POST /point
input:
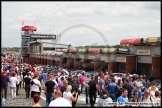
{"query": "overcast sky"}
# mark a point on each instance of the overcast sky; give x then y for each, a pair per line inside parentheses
(115, 20)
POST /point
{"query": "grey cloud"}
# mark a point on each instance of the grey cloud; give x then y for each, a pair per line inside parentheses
(112, 18)
(153, 6)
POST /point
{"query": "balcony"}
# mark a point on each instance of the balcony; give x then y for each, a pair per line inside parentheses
(25, 34)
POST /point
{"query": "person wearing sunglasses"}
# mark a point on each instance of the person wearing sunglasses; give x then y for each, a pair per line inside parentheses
(147, 98)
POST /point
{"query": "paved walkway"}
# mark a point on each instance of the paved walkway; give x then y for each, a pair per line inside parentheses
(20, 98)
(28, 102)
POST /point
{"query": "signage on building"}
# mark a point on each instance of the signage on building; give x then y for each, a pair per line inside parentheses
(143, 52)
(122, 49)
(121, 59)
(64, 50)
(43, 36)
(72, 56)
(111, 50)
(73, 50)
(105, 50)
(56, 58)
(104, 58)
(58, 50)
(94, 50)
(91, 57)
(82, 50)
(81, 56)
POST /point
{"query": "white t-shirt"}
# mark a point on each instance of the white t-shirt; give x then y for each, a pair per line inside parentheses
(26, 76)
(55, 82)
(35, 86)
(67, 96)
(59, 79)
(18, 78)
(16, 68)
(13, 81)
(155, 89)
(152, 93)
(58, 102)
(117, 78)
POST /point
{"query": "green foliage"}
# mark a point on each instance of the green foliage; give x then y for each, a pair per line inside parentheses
(103, 46)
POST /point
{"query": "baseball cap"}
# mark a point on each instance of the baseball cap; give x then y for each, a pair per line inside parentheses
(14, 73)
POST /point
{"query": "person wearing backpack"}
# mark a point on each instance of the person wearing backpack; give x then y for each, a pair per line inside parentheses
(147, 98)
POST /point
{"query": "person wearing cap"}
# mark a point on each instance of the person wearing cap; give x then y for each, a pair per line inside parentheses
(4, 84)
(13, 82)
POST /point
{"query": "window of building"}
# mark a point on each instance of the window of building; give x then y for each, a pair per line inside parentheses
(48, 48)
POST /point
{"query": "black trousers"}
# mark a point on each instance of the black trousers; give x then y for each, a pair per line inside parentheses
(74, 103)
(20, 84)
(17, 88)
(92, 97)
(27, 91)
(4, 91)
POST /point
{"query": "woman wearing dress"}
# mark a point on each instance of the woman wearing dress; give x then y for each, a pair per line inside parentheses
(68, 95)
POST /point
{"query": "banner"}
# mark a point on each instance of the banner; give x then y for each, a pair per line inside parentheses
(143, 52)
(121, 59)
(43, 36)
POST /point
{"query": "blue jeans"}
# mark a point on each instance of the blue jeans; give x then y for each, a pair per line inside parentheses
(100, 92)
(113, 96)
(49, 98)
(82, 88)
(87, 96)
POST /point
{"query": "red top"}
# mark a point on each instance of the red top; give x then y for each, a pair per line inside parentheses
(13, 67)
(32, 69)
(131, 41)
(58, 50)
(29, 28)
(73, 50)
(94, 50)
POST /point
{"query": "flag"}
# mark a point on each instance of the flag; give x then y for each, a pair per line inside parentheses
(22, 23)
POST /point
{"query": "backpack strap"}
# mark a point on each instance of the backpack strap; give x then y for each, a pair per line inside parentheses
(142, 98)
(150, 99)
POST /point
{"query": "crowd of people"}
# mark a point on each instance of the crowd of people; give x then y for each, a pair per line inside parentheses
(63, 89)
